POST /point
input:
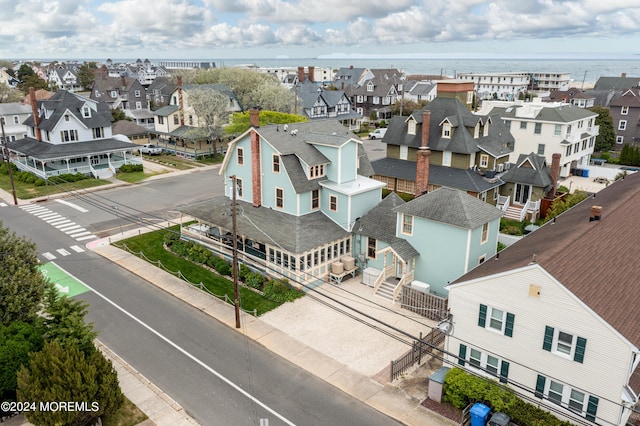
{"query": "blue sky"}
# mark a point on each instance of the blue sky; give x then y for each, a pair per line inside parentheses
(218, 29)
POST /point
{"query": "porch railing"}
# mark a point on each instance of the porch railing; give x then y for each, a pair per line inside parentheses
(408, 277)
(503, 202)
(383, 276)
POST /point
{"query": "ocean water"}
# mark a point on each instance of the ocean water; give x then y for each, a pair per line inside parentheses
(581, 70)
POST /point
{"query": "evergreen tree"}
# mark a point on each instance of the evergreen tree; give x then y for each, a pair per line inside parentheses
(86, 74)
(67, 374)
(21, 282)
(606, 138)
(63, 320)
(17, 340)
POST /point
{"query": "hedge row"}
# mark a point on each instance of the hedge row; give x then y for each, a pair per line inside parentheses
(462, 389)
(278, 291)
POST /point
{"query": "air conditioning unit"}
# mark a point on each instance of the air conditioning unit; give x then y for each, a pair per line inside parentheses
(500, 167)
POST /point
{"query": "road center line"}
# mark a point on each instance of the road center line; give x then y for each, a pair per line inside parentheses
(183, 351)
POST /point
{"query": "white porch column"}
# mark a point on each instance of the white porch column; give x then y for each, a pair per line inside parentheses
(68, 168)
(44, 170)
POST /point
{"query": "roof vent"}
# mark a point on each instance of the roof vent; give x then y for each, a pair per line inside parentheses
(596, 213)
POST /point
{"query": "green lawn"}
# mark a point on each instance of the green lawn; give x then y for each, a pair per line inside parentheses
(25, 191)
(151, 244)
(134, 177)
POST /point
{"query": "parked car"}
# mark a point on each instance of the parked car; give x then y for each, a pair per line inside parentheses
(377, 134)
(150, 149)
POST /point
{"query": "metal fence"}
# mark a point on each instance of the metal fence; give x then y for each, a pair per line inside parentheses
(419, 349)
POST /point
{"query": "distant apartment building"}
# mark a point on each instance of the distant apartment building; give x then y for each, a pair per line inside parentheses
(549, 81)
(186, 65)
(503, 86)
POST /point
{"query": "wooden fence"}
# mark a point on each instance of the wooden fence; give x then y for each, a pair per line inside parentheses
(419, 349)
(425, 304)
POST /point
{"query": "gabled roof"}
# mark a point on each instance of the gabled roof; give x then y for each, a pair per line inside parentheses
(14, 108)
(630, 98)
(301, 183)
(543, 112)
(126, 127)
(63, 102)
(380, 223)
(451, 207)
(529, 169)
(595, 260)
(462, 141)
(463, 179)
(616, 83)
(166, 110)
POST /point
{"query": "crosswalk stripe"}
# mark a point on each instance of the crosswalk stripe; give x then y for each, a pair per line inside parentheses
(57, 221)
(77, 249)
(52, 218)
(45, 212)
(48, 256)
(3, 204)
(32, 208)
(62, 224)
(63, 252)
(86, 238)
(79, 234)
(69, 227)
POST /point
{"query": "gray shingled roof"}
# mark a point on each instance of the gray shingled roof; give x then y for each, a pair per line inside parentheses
(47, 151)
(126, 127)
(560, 114)
(166, 110)
(11, 108)
(62, 102)
(463, 179)
(462, 140)
(616, 83)
(380, 223)
(452, 207)
(301, 183)
(529, 169)
(295, 234)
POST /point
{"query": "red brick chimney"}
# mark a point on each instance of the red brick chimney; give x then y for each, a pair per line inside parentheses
(123, 82)
(311, 73)
(34, 112)
(180, 105)
(300, 74)
(256, 175)
(422, 171)
(555, 173)
(426, 127)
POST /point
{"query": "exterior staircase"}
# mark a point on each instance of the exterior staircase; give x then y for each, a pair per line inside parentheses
(104, 173)
(513, 212)
(387, 288)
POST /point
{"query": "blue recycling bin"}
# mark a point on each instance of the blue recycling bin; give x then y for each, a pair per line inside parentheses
(479, 414)
(585, 172)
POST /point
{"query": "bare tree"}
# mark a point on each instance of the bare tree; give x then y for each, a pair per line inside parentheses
(211, 109)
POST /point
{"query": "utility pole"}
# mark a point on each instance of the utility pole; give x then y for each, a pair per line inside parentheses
(235, 255)
(5, 152)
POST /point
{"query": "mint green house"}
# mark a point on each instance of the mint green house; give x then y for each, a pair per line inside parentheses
(300, 188)
(425, 243)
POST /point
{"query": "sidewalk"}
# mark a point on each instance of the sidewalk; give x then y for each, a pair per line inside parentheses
(386, 398)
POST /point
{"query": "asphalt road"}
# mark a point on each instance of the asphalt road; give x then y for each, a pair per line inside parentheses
(219, 377)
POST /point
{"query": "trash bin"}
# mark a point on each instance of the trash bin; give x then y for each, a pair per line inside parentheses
(499, 419)
(585, 172)
(479, 413)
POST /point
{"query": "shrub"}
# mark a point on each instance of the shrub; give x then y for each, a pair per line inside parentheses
(243, 272)
(461, 389)
(279, 291)
(255, 280)
(131, 168)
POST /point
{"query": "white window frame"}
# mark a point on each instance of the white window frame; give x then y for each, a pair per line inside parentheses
(624, 110)
(446, 158)
(485, 232)
(491, 318)
(566, 395)
(406, 226)
(622, 125)
(240, 156)
(411, 127)
(557, 131)
(619, 139)
(16, 119)
(484, 160)
(404, 152)
(446, 130)
(557, 344)
(333, 203)
(281, 198)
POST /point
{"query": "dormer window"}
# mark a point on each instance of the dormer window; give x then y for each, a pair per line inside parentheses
(86, 112)
(370, 87)
(446, 130)
(411, 128)
(485, 128)
(316, 171)
(66, 117)
(114, 93)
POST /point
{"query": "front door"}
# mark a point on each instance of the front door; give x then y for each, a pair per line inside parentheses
(523, 192)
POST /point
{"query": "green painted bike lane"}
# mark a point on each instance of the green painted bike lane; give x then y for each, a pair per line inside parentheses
(65, 283)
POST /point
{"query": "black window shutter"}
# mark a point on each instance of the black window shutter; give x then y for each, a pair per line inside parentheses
(508, 329)
(462, 354)
(482, 317)
(581, 344)
(540, 386)
(548, 338)
(504, 371)
(592, 408)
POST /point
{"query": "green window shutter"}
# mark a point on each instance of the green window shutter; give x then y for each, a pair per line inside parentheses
(482, 317)
(592, 408)
(462, 354)
(540, 386)
(548, 338)
(581, 344)
(504, 371)
(508, 328)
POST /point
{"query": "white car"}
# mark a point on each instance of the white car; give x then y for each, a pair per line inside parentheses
(377, 134)
(150, 149)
